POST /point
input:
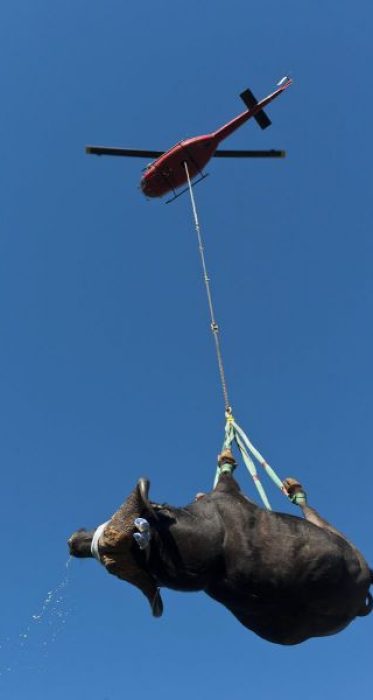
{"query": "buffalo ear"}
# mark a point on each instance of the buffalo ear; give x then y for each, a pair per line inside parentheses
(157, 604)
(143, 486)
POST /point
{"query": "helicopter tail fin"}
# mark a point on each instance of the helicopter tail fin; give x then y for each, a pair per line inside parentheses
(250, 102)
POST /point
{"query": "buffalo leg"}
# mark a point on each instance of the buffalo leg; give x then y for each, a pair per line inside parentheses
(298, 496)
(226, 481)
(226, 462)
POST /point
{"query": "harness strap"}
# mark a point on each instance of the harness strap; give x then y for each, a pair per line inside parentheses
(250, 455)
(256, 454)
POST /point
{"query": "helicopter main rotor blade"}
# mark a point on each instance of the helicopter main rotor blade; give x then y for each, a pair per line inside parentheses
(250, 154)
(129, 152)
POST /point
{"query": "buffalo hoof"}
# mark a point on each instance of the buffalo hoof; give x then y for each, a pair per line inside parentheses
(368, 606)
(295, 491)
(226, 457)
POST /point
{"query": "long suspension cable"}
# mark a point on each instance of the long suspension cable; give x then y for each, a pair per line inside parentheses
(233, 432)
(214, 325)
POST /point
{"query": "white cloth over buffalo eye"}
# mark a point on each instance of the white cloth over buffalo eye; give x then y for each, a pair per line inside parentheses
(142, 537)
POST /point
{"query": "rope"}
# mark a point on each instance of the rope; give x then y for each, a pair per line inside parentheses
(214, 326)
(233, 432)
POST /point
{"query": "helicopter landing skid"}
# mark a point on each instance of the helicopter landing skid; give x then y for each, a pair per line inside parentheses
(203, 176)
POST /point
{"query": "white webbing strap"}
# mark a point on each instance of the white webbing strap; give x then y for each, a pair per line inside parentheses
(96, 541)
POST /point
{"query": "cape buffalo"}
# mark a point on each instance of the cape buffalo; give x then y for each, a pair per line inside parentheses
(284, 577)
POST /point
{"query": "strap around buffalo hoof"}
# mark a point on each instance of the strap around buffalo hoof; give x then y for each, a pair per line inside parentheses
(226, 457)
(226, 462)
(295, 492)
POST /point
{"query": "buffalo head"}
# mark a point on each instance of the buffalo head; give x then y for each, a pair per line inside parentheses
(116, 548)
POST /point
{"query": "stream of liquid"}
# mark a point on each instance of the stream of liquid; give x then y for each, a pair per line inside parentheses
(42, 630)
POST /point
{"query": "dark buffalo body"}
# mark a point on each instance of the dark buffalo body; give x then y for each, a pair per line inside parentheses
(285, 578)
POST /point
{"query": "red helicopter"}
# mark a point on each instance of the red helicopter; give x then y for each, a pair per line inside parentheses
(168, 172)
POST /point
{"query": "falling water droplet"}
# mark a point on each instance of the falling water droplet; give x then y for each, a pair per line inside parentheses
(43, 630)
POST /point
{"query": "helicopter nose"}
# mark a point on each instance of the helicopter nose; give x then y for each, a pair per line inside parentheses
(146, 187)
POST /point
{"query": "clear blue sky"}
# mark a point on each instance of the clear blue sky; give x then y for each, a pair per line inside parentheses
(106, 360)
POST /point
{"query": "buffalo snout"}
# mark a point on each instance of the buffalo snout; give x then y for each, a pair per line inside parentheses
(80, 543)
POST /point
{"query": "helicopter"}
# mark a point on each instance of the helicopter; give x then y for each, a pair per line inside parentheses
(168, 172)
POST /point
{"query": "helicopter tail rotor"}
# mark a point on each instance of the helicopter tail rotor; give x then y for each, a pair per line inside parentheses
(250, 102)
